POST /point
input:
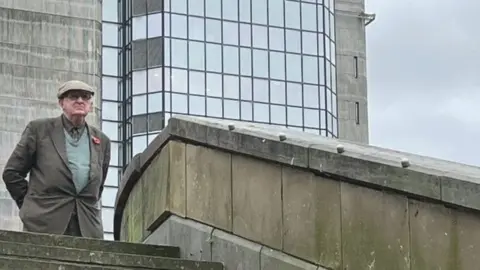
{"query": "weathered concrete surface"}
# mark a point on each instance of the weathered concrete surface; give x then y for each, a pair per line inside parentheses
(25, 250)
(198, 241)
(42, 44)
(350, 42)
(48, 240)
(353, 209)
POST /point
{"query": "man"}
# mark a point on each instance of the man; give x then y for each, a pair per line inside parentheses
(67, 160)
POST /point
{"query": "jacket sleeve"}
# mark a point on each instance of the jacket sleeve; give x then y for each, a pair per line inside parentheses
(106, 163)
(19, 165)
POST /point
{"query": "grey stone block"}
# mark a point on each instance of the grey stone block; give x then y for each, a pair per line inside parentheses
(359, 169)
(161, 235)
(275, 260)
(193, 238)
(48, 240)
(461, 192)
(235, 252)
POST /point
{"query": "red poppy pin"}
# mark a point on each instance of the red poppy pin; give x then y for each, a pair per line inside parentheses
(96, 140)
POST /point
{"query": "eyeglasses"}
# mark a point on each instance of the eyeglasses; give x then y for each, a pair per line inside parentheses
(75, 95)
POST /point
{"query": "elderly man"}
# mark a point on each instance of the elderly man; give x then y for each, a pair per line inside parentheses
(67, 160)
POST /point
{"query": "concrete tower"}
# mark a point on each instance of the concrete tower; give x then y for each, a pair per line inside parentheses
(42, 44)
(351, 21)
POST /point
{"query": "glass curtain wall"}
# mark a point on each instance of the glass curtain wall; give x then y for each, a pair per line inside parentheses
(111, 104)
(266, 61)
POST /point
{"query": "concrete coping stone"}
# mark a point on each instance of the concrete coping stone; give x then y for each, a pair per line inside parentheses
(420, 176)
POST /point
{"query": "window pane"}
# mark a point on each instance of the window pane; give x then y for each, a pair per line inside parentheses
(309, 43)
(214, 30)
(246, 88)
(259, 11)
(178, 25)
(292, 38)
(311, 118)
(294, 94)
(232, 109)
(110, 61)
(245, 61)
(179, 80)
(139, 82)
(196, 28)
(179, 103)
(214, 107)
(277, 65)
(155, 102)
(197, 83)
(294, 116)
(196, 56)
(275, 7)
(230, 59)
(109, 34)
(246, 111)
(309, 17)
(139, 104)
(310, 69)
(195, 7)
(179, 53)
(109, 88)
(260, 63)
(154, 79)
(230, 33)
(294, 67)
(260, 36)
(155, 25)
(244, 7)
(214, 85)
(230, 87)
(110, 129)
(112, 177)
(197, 105)
(110, 110)
(230, 10)
(108, 196)
(277, 39)
(110, 10)
(107, 218)
(310, 96)
(261, 112)
(245, 35)
(139, 143)
(139, 27)
(278, 114)
(213, 8)
(178, 6)
(214, 57)
(260, 90)
(277, 92)
(292, 14)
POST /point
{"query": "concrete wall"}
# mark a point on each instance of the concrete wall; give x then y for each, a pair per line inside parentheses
(42, 44)
(350, 43)
(301, 196)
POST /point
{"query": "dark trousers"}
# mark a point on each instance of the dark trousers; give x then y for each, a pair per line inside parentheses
(73, 227)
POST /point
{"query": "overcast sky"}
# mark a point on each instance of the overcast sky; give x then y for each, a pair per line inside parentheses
(424, 77)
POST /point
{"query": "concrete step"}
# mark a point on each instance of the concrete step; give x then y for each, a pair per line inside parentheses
(107, 259)
(88, 243)
(9, 263)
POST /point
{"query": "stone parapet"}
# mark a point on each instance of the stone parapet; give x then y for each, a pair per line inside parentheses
(332, 203)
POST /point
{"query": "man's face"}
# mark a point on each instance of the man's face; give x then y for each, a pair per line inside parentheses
(76, 102)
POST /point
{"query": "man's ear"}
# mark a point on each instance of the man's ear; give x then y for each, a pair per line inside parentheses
(60, 103)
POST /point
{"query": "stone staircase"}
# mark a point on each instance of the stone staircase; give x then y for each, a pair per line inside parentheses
(21, 250)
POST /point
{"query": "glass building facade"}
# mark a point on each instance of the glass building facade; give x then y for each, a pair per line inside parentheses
(266, 61)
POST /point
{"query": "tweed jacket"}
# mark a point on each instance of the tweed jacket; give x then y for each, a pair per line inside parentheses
(49, 197)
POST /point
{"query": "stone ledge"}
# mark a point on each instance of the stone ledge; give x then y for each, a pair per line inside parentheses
(448, 182)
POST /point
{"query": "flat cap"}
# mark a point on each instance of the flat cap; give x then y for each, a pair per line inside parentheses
(74, 85)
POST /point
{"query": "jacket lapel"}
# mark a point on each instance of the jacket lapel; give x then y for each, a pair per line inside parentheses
(95, 147)
(58, 138)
